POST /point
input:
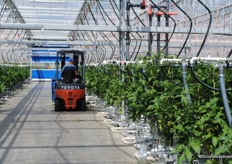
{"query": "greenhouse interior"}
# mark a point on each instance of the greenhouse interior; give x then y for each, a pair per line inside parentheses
(156, 73)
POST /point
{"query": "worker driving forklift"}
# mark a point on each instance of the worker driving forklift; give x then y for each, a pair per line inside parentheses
(69, 88)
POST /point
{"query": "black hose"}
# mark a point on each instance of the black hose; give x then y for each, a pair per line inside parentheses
(169, 79)
(138, 17)
(140, 44)
(138, 35)
(95, 21)
(161, 67)
(114, 10)
(105, 13)
(128, 72)
(136, 44)
(190, 28)
(107, 17)
(116, 5)
(143, 73)
(230, 53)
(120, 70)
(101, 33)
(204, 84)
(207, 32)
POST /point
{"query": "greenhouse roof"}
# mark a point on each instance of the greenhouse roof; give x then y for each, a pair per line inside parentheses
(99, 26)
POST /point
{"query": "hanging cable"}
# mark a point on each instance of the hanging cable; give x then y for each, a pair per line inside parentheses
(114, 10)
(174, 28)
(140, 44)
(190, 28)
(105, 12)
(105, 36)
(209, 25)
(164, 73)
(112, 47)
(204, 84)
(99, 4)
(136, 44)
(94, 22)
(116, 5)
(230, 53)
(138, 17)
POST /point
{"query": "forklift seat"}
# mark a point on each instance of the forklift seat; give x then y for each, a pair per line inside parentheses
(68, 76)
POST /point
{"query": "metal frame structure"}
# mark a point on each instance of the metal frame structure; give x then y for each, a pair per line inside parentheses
(109, 30)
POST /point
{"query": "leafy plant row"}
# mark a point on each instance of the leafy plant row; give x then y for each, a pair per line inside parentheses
(10, 76)
(194, 119)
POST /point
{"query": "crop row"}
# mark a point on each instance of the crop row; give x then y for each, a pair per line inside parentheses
(12, 76)
(185, 112)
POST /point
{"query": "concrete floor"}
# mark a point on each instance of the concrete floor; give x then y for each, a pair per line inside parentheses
(31, 132)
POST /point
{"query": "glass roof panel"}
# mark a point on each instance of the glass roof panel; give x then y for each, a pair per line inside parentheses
(49, 12)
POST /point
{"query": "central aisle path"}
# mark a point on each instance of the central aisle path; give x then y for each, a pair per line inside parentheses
(31, 132)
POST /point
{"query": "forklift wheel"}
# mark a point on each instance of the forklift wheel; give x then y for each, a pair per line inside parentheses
(83, 105)
(58, 106)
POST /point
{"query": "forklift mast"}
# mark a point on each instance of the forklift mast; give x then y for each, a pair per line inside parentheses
(78, 57)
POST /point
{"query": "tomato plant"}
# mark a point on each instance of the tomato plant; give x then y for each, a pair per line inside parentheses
(10, 76)
(198, 124)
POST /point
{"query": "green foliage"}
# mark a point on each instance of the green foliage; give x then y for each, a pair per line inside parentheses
(199, 126)
(12, 75)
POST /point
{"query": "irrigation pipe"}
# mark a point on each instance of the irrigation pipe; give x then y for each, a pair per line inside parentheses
(224, 95)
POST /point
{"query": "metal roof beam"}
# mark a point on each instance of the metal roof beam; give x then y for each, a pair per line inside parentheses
(103, 43)
(227, 31)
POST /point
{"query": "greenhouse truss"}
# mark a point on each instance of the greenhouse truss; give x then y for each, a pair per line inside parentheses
(164, 65)
(97, 28)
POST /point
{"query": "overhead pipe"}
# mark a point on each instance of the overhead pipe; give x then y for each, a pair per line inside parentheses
(121, 62)
(210, 59)
(169, 60)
